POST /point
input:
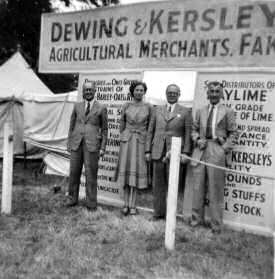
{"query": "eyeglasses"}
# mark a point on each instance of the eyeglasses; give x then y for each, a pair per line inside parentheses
(172, 93)
(214, 91)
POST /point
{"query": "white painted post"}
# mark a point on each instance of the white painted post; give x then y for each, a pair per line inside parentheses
(172, 193)
(7, 167)
(273, 255)
(273, 225)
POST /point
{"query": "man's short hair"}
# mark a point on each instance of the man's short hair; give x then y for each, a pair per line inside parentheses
(173, 84)
(88, 84)
(214, 84)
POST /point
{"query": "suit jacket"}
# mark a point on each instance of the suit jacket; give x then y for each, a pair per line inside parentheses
(225, 128)
(93, 128)
(163, 127)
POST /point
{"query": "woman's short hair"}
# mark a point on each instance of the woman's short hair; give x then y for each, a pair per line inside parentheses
(136, 83)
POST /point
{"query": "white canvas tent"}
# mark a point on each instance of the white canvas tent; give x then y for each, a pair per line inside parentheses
(17, 78)
(47, 119)
(46, 125)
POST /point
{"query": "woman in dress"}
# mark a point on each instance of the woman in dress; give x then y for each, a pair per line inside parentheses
(132, 167)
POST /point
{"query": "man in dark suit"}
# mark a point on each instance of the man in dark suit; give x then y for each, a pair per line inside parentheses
(170, 120)
(86, 142)
(213, 133)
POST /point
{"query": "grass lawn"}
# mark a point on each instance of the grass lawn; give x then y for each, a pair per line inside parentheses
(43, 239)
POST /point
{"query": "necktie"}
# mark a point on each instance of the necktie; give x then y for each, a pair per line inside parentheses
(168, 111)
(209, 124)
(87, 109)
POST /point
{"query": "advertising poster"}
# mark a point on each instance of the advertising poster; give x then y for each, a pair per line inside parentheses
(112, 90)
(166, 34)
(248, 199)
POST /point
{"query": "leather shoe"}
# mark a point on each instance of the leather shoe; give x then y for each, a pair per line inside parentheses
(157, 218)
(125, 210)
(133, 211)
(71, 203)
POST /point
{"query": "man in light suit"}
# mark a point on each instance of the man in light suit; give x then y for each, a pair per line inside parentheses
(170, 120)
(213, 133)
(86, 142)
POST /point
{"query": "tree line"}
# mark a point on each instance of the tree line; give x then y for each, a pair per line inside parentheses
(20, 29)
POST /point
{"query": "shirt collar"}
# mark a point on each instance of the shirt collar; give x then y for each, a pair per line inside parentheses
(215, 106)
(91, 103)
(171, 105)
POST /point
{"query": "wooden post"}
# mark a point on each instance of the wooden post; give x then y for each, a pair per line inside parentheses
(25, 154)
(273, 255)
(172, 193)
(7, 167)
(273, 225)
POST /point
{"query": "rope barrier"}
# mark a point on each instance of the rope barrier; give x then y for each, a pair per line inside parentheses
(47, 147)
(227, 169)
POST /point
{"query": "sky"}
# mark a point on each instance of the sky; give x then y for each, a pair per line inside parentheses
(156, 81)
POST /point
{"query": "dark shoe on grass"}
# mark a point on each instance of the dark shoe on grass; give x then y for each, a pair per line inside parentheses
(133, 211)
(125, 210)
(56, 189)
(157, 218)
(71, 204)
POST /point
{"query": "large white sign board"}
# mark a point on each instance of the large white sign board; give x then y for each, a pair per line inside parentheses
(154, 35)
(248, 199)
